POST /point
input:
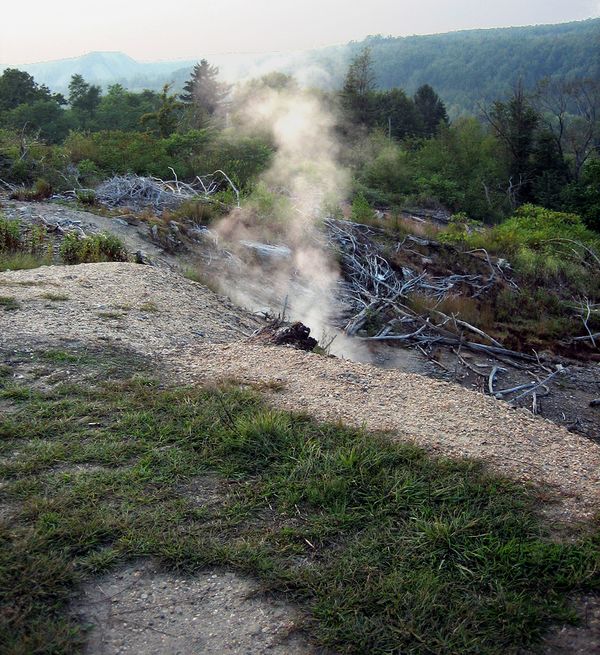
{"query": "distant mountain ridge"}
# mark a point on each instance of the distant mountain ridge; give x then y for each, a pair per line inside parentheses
(464, 67)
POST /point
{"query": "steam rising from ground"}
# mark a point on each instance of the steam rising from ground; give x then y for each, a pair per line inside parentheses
(306, 175)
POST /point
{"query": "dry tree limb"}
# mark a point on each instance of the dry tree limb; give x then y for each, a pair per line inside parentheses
(521, 387)
(493, 373)
(542, 384)
(433, 360)
(466, 364)
(470, 327)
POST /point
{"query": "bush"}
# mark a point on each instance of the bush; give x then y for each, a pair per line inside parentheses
(362, 212)
(10, 235)
(41, 190)
(94, 248)
(199, 212)
(460, 227)
(86, 196)
(22, 248)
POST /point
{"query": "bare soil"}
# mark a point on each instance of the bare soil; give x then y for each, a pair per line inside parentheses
(141, 610)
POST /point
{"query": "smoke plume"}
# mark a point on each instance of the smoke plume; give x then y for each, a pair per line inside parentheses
(303, 179)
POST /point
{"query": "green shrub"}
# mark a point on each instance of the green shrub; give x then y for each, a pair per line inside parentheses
(86, 196)
(199, 212)
(460, 227)
(10, 235)
(41, 190)
(536, 227)
(94, 248)
(362, 212)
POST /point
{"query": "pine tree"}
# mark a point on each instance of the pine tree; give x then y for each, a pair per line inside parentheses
(203, 93)
(430, 109)
(84, 99)
(358, 88)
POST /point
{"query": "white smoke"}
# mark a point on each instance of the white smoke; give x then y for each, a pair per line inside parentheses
(306, 172)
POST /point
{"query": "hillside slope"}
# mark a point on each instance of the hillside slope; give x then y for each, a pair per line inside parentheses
(198, 337)
(468, 66)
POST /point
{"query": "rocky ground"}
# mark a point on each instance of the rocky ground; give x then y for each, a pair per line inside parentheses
(195, 336)
(570, 402)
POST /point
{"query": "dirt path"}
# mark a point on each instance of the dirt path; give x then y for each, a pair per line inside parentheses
(200, 337)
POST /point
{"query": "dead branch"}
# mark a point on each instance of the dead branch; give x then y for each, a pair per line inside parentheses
(493, 373)
(140, 192)
(560, 369)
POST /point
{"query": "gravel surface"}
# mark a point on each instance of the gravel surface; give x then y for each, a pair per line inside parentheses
(140, 307)
(200, 337)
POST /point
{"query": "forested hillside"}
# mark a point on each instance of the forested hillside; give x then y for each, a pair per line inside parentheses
(464, 67)
(469, 66)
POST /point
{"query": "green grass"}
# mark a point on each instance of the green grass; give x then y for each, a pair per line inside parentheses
(55, 297)
(149, 307)
(388, 550)
(22, 261)
(9, 303)
(103, 247)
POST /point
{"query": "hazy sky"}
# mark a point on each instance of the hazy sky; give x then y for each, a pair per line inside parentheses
(39, 30)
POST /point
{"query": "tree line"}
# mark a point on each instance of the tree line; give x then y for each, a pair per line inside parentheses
(538, 146)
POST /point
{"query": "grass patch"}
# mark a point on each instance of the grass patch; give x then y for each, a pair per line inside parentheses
(63, 357)
(55, 297)
(206, 279)
(76, 249)
(150, 307)
(23, 261)
(110, 316)
(9, 303)
(387, 549)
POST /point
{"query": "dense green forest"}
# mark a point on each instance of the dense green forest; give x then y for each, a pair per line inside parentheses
(472, 66)
(535, 145)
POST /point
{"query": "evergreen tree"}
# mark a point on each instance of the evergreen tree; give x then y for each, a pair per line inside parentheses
(430, 110)
(166, 117)
(358, 88)
(515, 124)
(203, 93)
(84, 99)
(395, 113)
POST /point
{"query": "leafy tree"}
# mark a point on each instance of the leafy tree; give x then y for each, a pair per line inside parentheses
(166, 117)
(203, 94)
(18, 88)
(430, 110)
(570, 111)
(43, 117)
(84, 99)
(120, 109)
(583, 196)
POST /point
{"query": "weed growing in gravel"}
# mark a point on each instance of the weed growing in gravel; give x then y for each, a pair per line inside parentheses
(55, 297)
(149, 306)
(387, 549)
(9, 303)
(76, 249)
(22, 249)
